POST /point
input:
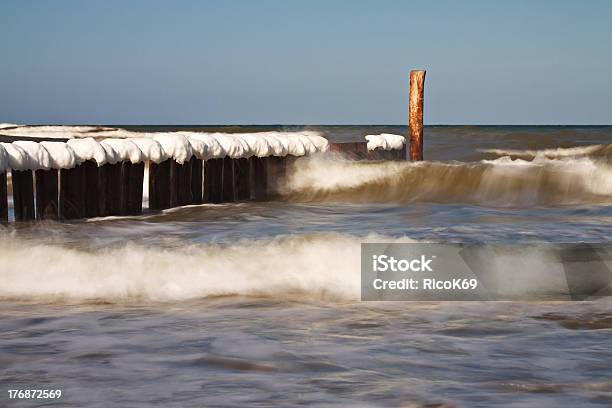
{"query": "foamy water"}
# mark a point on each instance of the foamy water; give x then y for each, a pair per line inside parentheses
(258, 303)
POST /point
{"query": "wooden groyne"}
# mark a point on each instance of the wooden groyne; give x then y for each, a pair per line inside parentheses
(88, 190)
(85, 178)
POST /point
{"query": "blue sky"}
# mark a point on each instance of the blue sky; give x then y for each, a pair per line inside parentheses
(306, 62)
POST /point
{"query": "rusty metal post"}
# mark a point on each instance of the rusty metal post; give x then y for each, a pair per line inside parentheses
(417, 82)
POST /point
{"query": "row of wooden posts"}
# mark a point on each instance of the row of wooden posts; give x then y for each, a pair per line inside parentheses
(87, 190)
(117, 189)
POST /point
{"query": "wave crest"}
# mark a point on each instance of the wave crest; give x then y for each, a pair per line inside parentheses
(599, 150)
(502, 182)
(289, 266)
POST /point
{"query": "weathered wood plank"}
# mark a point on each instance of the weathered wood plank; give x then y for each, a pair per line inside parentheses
(196, 180)
(92, 187)
(276, 171)
(174, 183)
(228, 188)
(213, 180)
(3, 198)
(72, 193)
(47, 194)
(159, 185)
(183, 183)
(110, 189)
(133, 176)
(259, 172)
(23, 194)
(353, 150)
(242, 179)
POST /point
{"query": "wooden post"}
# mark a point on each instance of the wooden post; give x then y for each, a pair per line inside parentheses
(242, 179)
(352, 150)
(110, 189)
(259, 173)
(92, 189)
(394, 155)
(183, 183)
(47, 204)
(72, 193)
(196, 180)
(276, 173)
(173, 185)
(133, 175)
(401, 153)
(228, 188)
(3, 199)
(124, 185)
(159, 185)
(417, 82)
(213, 178)
(23, 194)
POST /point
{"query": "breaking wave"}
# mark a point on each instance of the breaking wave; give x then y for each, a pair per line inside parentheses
(595, 151)
(289, 266)
(504, 182)
(59, 131)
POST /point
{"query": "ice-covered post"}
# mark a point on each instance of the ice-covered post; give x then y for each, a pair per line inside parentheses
(417, 82)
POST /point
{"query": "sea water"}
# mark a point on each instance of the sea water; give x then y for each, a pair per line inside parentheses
(258, 304)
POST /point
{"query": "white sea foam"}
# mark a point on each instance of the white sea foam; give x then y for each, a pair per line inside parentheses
(278, 267)
(58, 132)
(502, 182)
(8, 125)
(549, 153)
(385, 141)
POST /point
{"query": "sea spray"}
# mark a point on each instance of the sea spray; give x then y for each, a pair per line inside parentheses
(503, 182)
(322, 266)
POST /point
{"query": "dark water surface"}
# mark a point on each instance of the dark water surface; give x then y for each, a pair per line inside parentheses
(257, 304)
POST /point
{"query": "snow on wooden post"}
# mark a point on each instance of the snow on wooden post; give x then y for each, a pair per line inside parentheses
(417, 82)
(47, 196)
(23, 194)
